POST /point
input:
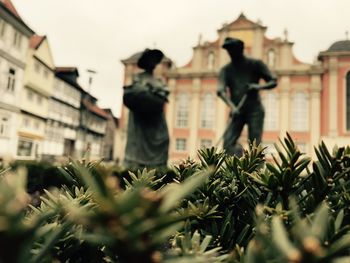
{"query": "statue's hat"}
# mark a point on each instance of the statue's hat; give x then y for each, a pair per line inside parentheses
(149, 54)
(232, 42)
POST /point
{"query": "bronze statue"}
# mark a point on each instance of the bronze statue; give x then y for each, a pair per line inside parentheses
(240, 78)
(147, 136)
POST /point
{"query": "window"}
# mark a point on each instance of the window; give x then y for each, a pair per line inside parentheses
(39, 99)
(37, 125)
(180, 144)
(25, 148)
(182, 111)
(348, 101)
(11, 81)
(4, 126)
(271, 111)
(208, 111)
(2, 27)
(26, 123)
(206, 143)
(17, 39)
(37, 67)
(211, 60)
(271, 58)
(57, 86)
(46, 73)
(30, 95)
(54, 132)
(300, 112)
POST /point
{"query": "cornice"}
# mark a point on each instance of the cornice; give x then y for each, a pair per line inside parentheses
(43, 63)
(295, 72)
(65, 103)
(36, 88)
(334, 54)
(12, 59)
(34, 115)
(178, 75)
(9, 107)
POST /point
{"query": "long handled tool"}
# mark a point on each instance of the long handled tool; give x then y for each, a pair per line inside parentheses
(240, 104)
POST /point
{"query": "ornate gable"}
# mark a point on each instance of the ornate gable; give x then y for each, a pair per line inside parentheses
(241, 23)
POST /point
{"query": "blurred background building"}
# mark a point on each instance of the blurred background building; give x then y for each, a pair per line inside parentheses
(44, 112)
(311, 102)
(35, 97)
(14, 47)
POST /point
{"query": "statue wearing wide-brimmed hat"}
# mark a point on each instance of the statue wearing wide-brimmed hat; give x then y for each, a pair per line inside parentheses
(239, 89)
(147, 137)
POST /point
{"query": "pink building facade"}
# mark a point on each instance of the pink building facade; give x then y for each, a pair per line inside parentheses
(311, 101)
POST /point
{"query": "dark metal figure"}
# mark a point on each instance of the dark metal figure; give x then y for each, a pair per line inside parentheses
(240, 78)
(147, 136)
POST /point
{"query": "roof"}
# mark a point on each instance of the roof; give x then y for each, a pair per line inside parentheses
(242, 22)
(110, 112)
(95, 109)
(61, 73)
(8, 4)
(10, 8)
(35, 41)
(343, 45)
(67, 70)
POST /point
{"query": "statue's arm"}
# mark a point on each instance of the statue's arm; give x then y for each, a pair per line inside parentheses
(269, 78)
(267, 85)
(222, 92)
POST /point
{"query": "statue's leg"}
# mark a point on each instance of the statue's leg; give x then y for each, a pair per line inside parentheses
(232, 134)
(255, 124)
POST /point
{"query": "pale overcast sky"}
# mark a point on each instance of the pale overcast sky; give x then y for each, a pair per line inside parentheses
(97, 34)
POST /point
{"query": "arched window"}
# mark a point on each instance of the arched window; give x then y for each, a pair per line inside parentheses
(272, 110)
(182, 111)
(300, 112)
(271, 58)
(211, 60)
(207, 111)
(348, 101)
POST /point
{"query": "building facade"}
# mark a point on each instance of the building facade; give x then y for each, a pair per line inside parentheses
(14, 44)
(44, 112)
(110, 145)
(335, 99)
(310, 102)
(64, 114)
(290, 107)
(76, 126)
(35, 97)
(93, 124)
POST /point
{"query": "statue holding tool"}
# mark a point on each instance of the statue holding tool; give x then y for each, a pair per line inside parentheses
(239, 89)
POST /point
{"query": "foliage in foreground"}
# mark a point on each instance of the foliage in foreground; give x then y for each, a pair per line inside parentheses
(220, 209)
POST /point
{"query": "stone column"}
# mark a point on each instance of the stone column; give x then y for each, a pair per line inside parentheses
(286, 56)
(221, 121)
(171, 110)
(284, 86)
(333, 97)
(315, 114)
(197, 58)
(194, 117)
